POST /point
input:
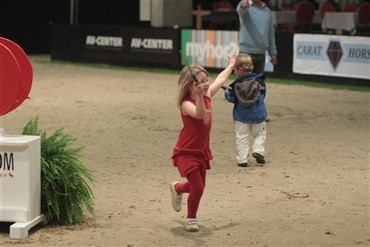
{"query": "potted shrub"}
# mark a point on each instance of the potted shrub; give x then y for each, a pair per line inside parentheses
(65, 191)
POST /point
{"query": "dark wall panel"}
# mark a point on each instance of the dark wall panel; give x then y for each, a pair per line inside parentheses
(157, 47)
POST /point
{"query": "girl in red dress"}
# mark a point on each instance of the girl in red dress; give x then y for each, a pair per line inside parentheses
(192, 153)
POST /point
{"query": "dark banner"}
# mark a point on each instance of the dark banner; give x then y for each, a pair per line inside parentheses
(105, 44)
(116, 44)
(158, 46)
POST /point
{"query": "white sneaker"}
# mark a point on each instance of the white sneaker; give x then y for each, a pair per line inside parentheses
(176, 198)
(191, 225)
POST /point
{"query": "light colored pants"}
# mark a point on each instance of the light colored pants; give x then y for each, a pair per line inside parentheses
(246, 133)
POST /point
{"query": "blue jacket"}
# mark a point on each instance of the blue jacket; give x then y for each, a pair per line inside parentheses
(257, 113)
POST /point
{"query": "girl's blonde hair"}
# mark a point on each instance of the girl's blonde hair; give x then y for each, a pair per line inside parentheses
(245, 62)
(186, 79)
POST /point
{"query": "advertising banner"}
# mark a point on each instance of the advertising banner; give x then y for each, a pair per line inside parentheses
(142, 46)
(332, 55)
(154, 46)
(104, 43)
(117, 45)
(210, 48)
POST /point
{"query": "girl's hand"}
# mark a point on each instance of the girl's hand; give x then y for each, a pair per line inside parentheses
(231, 60)
(201, 88)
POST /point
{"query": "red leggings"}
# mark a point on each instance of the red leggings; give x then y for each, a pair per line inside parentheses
(195, 187)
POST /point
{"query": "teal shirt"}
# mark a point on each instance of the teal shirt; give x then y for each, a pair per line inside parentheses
(257, 33)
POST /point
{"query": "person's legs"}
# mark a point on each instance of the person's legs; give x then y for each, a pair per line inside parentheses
(183, 187)
(258, 63)
(258, 147)
(195, 187)
(197, 181)
(242, 143)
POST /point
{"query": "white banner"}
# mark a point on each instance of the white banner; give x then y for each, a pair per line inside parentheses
(210, 48)
(332, 55)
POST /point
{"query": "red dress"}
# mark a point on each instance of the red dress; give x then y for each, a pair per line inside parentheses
(192, 148)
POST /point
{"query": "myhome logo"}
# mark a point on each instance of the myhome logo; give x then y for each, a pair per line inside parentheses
(106, 42)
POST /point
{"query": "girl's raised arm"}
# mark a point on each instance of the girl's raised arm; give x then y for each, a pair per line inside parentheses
(222, 76)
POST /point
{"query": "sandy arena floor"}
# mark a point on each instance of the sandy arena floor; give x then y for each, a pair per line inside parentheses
(313, 191)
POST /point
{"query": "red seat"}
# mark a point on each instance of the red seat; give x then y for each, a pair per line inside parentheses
(349, 7)
(223, 5)
(296, 5)
(326, 7)
(270, 6)
(364, 18)
(364, 14)
(304, 16)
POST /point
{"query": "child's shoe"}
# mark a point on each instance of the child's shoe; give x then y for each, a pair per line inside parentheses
(259, 158)
(243, 164)
(191, 225)
(176, 198)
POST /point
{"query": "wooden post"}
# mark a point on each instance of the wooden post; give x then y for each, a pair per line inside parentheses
(198, 14)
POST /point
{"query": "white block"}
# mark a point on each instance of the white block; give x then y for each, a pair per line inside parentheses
(20, 230)
(20, 183)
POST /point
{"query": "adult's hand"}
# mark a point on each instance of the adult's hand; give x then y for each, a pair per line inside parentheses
(245, 4)
(274, 59)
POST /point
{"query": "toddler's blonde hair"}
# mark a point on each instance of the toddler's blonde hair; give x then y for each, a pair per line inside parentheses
(245, 62)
